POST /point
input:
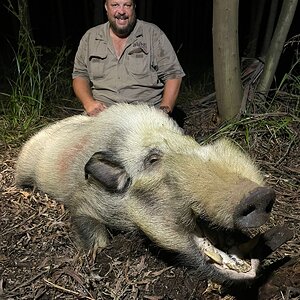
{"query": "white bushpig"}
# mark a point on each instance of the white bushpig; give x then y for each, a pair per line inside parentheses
(132, 167)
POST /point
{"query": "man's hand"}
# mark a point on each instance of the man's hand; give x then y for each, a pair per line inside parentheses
(166, 109)
(83, 92)
(94, 108)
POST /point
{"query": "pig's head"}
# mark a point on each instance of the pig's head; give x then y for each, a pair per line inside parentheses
(185, 197)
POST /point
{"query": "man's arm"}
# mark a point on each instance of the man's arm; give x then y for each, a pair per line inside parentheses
(83, 92)
(170, 94)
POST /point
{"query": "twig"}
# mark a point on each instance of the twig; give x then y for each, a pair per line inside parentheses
(18, 225)
(67, 290)
(290, 291)
(286, 152)
(270, 114)
(28, 281)
(207, 98)
(287, 216)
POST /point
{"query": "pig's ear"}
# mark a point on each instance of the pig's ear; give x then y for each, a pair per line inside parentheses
(109, 173)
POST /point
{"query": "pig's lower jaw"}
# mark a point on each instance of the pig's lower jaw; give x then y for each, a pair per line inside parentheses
(227, 264)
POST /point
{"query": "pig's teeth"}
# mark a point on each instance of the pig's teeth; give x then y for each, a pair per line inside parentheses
(243, 267)
(222, 259)
(234, 263)
(214, 256)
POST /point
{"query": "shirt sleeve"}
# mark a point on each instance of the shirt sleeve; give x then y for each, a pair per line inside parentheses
(80, 68)
(168, 66)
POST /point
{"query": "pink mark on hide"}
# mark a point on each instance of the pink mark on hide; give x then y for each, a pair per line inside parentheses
(68, 155)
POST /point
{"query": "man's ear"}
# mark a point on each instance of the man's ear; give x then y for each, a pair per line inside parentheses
(109, 173)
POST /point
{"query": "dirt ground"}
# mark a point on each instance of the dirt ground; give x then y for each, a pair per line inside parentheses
(39, 258)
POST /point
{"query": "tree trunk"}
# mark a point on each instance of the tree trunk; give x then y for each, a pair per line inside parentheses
(269, 28)
(283, 25)
(227, 74)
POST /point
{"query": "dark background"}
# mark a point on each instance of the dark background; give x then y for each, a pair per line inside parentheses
(188, 24)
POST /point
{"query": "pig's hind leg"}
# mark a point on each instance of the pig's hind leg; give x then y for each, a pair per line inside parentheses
(92, 233)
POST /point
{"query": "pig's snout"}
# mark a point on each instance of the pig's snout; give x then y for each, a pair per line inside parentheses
(254, 210)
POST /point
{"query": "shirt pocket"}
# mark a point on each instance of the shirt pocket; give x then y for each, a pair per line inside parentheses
(140, 68)
(97, 63)
(139, 62)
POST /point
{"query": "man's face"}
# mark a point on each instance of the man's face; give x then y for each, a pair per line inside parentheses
(121, 16)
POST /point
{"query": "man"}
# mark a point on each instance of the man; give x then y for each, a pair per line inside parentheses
(125, 60)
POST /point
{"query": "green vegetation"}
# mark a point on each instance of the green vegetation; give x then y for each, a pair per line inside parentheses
(39, 79)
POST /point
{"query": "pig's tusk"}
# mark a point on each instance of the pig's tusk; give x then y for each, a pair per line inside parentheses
(217, 258)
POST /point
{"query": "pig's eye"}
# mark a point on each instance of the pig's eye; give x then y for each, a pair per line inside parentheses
(152, 158)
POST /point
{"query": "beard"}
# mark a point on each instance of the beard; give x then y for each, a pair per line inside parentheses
(123, 31)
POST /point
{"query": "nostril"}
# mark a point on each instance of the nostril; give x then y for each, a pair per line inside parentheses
(248, 210)
(269, 207)
(254, 209)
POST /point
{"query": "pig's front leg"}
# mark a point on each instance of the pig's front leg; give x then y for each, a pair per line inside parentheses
(92, 233)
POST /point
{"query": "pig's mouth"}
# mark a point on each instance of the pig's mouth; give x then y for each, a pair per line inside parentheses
(234, 254)
(230, 263)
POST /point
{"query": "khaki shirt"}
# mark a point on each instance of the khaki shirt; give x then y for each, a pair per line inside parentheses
(138, 75)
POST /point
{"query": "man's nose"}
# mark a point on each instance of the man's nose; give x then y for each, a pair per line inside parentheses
(121, 10)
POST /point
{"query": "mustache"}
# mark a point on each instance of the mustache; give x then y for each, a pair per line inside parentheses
(121, 17)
